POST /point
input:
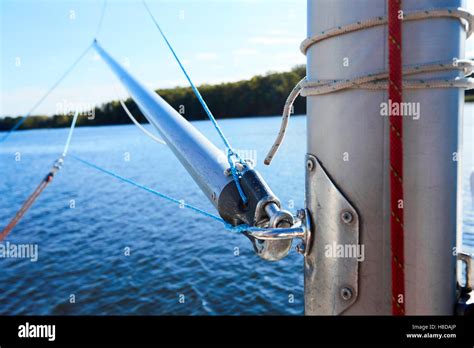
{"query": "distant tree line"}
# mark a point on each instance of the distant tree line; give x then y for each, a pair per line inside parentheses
(262, 95)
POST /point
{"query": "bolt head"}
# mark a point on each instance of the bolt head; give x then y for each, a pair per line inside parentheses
(347, 217)
(346, 293)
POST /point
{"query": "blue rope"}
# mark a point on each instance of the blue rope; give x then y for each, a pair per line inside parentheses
(24, 117)
(239, 228)
(101, 19)
(231, 154)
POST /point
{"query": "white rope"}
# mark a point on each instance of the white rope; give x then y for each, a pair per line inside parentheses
(379, 80)
(158, 140)
(287, 110)
(450, 12)
(134, 120)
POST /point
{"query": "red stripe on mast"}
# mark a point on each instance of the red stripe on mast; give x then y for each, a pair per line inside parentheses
(395, 17)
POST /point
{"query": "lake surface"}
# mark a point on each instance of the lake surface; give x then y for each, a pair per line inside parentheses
(174, 253)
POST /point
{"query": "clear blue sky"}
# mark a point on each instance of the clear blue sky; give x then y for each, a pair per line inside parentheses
(216, 40)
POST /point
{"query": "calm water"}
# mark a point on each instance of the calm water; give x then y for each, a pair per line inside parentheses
(173, 251)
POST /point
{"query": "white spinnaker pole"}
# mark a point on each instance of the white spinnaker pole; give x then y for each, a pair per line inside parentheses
(350, 138)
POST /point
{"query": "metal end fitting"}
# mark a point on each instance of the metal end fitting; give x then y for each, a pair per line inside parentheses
(263, 210)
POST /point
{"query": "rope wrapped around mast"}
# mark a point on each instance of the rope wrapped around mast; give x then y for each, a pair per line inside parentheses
(378, 80)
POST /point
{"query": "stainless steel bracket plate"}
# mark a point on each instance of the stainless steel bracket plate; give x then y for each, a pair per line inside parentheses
(331, 267)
